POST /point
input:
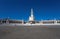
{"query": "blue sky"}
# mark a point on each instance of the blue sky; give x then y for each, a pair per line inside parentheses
(20, 9)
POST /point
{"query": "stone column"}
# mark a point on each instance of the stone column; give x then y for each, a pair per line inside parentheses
(22, 22)
(7, 21)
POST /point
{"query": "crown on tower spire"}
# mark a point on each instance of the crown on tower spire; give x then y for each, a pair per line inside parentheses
(31, 11)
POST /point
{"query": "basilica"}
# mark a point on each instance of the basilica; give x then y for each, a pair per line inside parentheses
(31, 20)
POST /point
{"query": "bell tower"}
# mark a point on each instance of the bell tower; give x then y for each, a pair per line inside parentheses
(31, 17)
